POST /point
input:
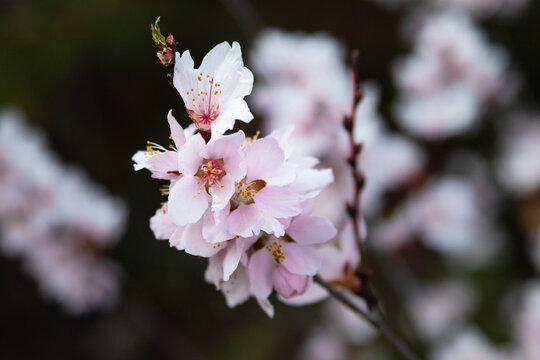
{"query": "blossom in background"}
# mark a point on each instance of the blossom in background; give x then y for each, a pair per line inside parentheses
(469, 344)
(388, 160)
(57, 221)
(485, 8)
(449, 216)
(528, 322)
(323, 343)
(504, 9)
(304, 82)
(518, 168)
(451, 78)
(214, 93)
(441, 308)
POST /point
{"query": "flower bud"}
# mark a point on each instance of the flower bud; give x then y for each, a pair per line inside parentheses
(165, 57)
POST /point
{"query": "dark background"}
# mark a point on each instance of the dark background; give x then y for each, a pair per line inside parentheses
(85, 72)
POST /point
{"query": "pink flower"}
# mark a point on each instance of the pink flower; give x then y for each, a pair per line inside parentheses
(262, 198)
(287, 263)
(214, 93)
(210, 172)
(163, 163)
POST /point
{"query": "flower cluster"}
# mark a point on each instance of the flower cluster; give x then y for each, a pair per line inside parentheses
(451, 78)
(242, 202)
(56, 221)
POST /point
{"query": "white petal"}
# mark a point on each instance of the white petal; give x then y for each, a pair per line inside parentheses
(187, 201)
(233, 253)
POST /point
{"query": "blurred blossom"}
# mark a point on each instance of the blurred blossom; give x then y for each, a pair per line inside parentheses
(451, 78)
(323, 344)
(534, 249)
(56, 220)
(518, 167)
(440, 308)
(449, 217)
(466, 345)
(485, 8)
(528, 323)
(387, 160)
(303, 82)
(346, 323)
(504, 9)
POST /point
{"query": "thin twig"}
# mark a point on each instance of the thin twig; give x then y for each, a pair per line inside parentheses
(377, 323)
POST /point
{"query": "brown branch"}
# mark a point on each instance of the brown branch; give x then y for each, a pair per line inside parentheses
(376, 322)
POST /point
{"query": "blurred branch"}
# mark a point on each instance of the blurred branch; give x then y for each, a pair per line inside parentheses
(245, 15)
(375, 319)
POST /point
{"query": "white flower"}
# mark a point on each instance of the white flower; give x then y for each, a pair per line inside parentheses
(450, 78)
(468, 344)
(439, 308)
(305, 84)
(518, 166)
(214, 93)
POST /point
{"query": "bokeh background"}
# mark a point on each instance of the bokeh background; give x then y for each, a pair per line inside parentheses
(85, 72)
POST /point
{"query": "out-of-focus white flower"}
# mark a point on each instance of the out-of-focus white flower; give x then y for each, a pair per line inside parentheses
(469, 344)
(449, 216)
(440, 308)
(387, 160)
(56, 220)
(306, 84)
(528, 323)
(534, 249)
(346, 323)
(79, 281)
(518, 166)
(485, 8)
(450, 78)
(323, 344)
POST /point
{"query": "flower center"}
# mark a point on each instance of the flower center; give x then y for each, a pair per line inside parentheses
(211, 171)
(276, 249)
(204, 107)
(245, 193)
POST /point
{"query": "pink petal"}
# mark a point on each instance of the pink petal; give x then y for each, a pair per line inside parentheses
(244, 221)
(233, 253)
(187, 201)
(261, 267)
(162, 225)
(266, 306)
(176, 131)
(236, 290)
(311, 181)
(194, 244)
(163, 165)
(278, 202)
(309, 230)
(288, 284)
(228, 148)
(314, 293)
(222, 193)
(266, 161)
(215, 231)
(301, 260)
(189, 155)
(176, 237)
